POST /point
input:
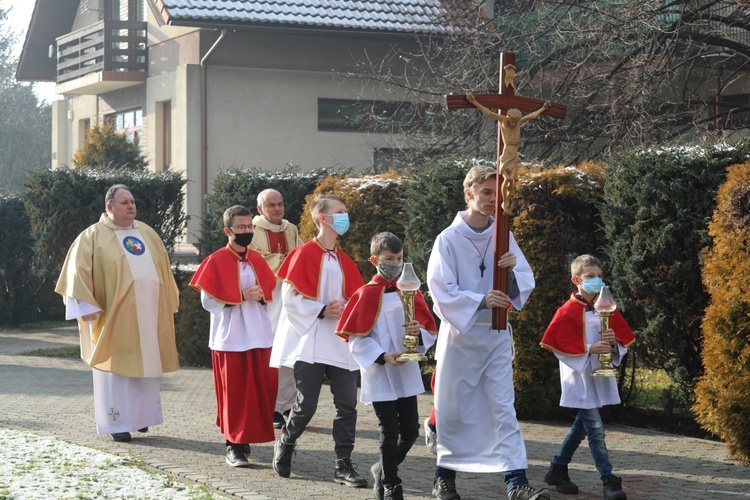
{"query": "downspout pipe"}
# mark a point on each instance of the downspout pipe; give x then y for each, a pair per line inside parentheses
(204, 130)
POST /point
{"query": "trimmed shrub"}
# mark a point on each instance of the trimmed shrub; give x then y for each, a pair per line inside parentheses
(107, 149)
(61, 203)
(192, 325)
(374, 203)
(657, 206)
(18, 283)
(557, 219)
(240, 186)
(723, 392)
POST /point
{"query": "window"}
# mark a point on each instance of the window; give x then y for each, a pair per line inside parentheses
(84, 126)
(343, 115)
(129, 123)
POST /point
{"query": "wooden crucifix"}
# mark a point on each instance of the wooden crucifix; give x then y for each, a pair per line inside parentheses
(506, 100)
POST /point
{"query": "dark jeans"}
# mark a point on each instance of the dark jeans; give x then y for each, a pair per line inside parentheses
(308, 379)
(399, 429)
(588, 423)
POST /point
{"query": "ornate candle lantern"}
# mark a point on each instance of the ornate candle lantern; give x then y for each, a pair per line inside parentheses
(605, 306)
(407, 285)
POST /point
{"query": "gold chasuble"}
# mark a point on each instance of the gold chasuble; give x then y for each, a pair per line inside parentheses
(127, 274)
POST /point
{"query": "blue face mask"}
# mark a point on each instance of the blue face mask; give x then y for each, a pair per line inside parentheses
(592, 285)
(340, 223)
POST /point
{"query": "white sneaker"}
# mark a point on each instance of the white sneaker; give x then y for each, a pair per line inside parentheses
(430, 437)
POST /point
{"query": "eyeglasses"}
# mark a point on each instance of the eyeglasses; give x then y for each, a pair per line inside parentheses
(243, 227)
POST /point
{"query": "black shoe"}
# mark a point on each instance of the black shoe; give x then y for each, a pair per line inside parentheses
(122, 437)
(235, 457)
(278, 420)
(377, 480)
(395, 492)
(613, 488)
(557, 476)
(245, 449)
(346, 473)
(143, 429)
(528, 492)
(282, 458)
(445, 489)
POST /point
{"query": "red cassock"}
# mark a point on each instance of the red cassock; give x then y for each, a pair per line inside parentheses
(363, 309)
(566, 332)
(303, 265)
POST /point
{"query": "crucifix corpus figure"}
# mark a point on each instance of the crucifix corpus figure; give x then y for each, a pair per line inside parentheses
(510, 129)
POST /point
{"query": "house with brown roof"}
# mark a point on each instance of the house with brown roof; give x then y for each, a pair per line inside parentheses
(207, 84)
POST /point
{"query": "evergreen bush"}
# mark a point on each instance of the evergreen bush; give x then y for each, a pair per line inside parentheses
(106, 149)
(240, 186)
(374, 202)
(723, 392)
(61, 203)
(557, 219)
(657, 206)
(192, 325)
(19, 285)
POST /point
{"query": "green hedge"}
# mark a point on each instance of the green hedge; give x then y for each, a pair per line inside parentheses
(723, 393)
(657, 206)
(192, 324)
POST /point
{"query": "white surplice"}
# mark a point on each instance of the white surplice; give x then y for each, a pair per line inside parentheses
(580, 389)
(477, 429)
(301, 335)
(386, 382)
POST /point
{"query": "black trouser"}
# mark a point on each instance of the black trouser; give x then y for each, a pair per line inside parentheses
(399, 429)
(308, 379)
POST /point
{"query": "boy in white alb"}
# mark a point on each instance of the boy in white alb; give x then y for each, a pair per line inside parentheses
(575, 336)
(373, 323)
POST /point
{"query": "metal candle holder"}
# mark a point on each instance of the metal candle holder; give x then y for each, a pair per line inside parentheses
(605, 306)
(407, 285)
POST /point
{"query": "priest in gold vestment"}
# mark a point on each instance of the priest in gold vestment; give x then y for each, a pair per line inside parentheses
(117, 282)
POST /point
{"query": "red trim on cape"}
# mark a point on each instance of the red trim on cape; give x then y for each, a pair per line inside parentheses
(361, 313)
(566, 332)
(219, 275)
(304, 264)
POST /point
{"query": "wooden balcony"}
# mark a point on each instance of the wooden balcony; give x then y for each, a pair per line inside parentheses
(103, 57)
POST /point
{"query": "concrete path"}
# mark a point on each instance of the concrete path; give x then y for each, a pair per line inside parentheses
(52, 396)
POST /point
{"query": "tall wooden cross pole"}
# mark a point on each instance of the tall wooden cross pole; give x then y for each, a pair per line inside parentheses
(506, 99)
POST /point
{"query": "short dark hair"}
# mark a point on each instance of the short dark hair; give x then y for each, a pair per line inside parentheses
(385, 241)
(320, 204)
(232, 212)
(110, 196)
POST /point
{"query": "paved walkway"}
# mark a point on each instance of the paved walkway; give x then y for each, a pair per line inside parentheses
(51, 396)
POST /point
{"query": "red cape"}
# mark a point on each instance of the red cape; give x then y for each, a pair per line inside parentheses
(363, 309)
(219, 275)
(566, 332)
(303, 265)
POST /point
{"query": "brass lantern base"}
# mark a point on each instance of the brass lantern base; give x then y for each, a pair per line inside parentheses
(411, 356)
(604, 372)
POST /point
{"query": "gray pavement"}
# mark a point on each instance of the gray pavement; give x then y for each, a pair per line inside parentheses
(52, 396)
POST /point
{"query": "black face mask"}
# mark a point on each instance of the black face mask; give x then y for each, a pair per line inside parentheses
(243, 239)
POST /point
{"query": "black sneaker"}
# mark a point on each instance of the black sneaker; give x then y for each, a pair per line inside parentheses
(445, 489)
(121, 437)
(143, 429)
(528, 492)
(377, 480)
(282, 458)
(235, 457)
(278, 420)
(245, 449)
(613, 488)
(395, 492)
(557, 476)
(346, 474)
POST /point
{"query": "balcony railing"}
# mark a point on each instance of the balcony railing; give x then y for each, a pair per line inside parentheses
(115, 50)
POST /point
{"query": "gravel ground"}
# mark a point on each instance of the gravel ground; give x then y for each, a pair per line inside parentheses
(34, 467)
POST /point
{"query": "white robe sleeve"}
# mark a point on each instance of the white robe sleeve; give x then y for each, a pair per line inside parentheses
(301, 311)
(365, 350)
(210, 304)
(428, 340)
(456, 306)
(524, 275)
(75, 309)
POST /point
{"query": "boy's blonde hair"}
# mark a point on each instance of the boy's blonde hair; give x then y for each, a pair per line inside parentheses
(477, 175)
(320, 204)
(583, 261)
